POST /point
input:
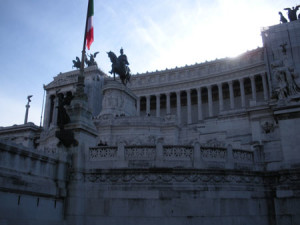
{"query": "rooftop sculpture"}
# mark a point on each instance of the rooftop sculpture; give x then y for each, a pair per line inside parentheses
(89, 60)
(120, 66)
(292, 14)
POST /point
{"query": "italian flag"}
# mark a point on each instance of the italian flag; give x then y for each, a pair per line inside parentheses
(90, 28)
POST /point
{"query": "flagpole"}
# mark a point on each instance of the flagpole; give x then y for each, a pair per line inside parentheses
(80, 83)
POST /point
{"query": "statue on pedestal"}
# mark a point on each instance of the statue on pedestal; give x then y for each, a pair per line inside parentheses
(120, 66)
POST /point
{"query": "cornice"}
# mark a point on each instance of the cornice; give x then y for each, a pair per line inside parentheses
(196, 82)
(63, 79)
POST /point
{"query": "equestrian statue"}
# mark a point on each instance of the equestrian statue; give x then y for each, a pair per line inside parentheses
(120, 66)
(76, 63)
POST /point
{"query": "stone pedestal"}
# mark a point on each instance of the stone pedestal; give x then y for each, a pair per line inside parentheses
(83, 132)
(118, 100)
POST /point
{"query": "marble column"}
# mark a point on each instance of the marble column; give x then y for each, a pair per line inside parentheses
(253, 88)
(148, 105)
(168, 103)
(178, 102)
(242, 89)
(231, 94)
(264, 82)
(199, 97)
(221, 104)
(47, 111)
(210, 106)
(158, 105)
(55, 112)
(138, 106)
(189, 105)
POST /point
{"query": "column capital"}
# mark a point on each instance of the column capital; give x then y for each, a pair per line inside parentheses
(219, 85)
(188, 90)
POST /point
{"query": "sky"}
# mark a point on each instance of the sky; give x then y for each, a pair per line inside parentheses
(40, 38)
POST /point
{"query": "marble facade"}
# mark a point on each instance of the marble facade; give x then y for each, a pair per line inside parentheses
(210, 143)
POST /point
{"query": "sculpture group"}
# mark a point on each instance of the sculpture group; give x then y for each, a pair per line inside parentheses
(292, 14)
(119, 64)
(88, 59)
(284, 75)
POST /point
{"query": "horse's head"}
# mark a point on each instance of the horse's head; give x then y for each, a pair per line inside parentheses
(112, 56)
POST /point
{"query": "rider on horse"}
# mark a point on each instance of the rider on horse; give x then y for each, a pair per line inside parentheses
(120, 66)
(123, 61)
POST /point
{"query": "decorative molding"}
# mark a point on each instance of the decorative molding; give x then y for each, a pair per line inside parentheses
(195, 177)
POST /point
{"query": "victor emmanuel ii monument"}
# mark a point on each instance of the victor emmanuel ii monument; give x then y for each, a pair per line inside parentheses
(211, 143)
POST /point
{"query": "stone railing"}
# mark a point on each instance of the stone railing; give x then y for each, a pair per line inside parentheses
(198, 156)
(140, 152)
(178, 152)
(243, 156)
(213, 153)
(103, 153)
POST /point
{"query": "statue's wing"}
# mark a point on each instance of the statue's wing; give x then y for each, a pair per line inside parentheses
(95, 54)
(77, 58)
(297, 7)
(287, 9)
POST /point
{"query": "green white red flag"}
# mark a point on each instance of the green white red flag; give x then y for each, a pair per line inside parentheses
(90, 27)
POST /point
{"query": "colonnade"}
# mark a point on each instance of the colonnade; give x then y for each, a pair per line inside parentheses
(235, 90)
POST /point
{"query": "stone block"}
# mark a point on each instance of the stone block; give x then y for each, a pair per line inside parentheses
(284, 220)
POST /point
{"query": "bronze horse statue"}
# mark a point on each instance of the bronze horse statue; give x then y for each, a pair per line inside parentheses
(120, 66)
(76, 63)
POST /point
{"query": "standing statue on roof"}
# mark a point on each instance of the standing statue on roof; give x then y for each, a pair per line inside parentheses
(282, 18)
(292, 13)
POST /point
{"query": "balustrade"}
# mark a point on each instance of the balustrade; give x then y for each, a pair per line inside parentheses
(202, 156)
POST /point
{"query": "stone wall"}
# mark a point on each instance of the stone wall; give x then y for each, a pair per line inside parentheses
(32, 186)
(185, 196)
